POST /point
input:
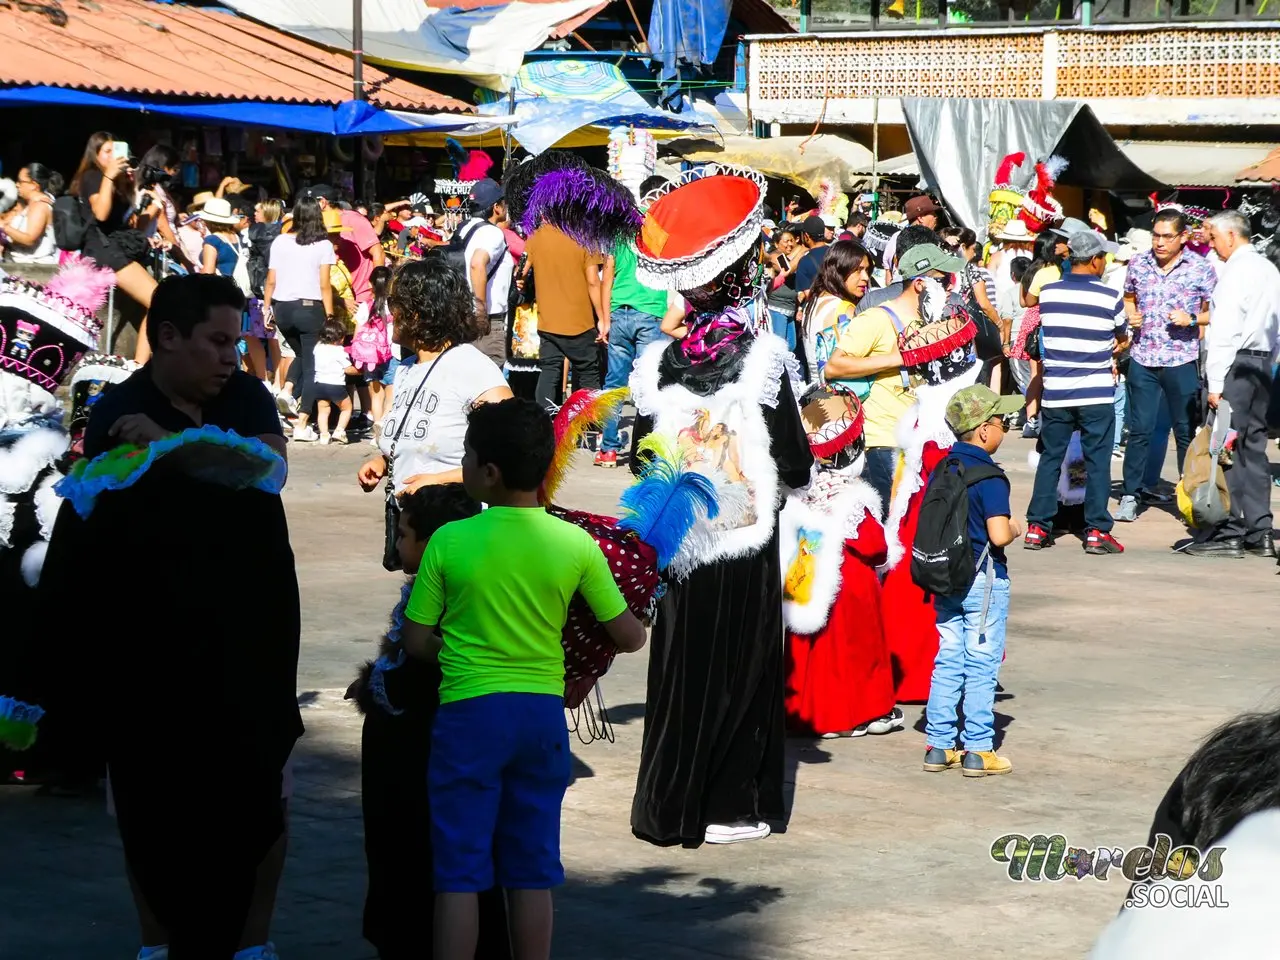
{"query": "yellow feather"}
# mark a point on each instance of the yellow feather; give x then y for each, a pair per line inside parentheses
(604, 405)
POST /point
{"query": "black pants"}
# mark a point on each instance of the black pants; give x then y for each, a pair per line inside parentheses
(1097, 425)
(300, 322)
(584, 365)
(1248, 390)
(194, 845)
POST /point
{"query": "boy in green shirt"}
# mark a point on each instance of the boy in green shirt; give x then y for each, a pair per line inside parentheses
(498, 586)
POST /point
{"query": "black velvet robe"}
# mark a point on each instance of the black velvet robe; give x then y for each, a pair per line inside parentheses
(714, 735)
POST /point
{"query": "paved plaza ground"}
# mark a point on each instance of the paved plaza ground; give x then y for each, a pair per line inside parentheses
(1117, 667)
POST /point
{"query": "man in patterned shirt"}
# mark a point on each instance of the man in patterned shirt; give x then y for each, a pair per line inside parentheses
(1166, 295)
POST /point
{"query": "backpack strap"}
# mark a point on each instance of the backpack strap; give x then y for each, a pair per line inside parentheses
(898, 325)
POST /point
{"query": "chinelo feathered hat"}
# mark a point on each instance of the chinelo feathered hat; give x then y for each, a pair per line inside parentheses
(834, 423)
(941, 350)
(699, 226)
(44, 330)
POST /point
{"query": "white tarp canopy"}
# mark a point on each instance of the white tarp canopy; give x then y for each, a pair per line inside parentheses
(960, 143)
(485, 44)
(804, 161)
(1190, 164)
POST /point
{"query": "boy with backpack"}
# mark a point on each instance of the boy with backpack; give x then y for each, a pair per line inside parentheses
(499, 586)
(958, 556)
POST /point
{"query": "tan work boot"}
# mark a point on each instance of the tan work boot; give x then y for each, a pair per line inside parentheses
(937, 759)
(984, 763)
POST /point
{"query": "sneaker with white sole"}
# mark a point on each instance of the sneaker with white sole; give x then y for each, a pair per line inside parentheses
(286, 404)
(738, 832)
(1127, 512)
(891, 721)
(305, 434)
(858, 731)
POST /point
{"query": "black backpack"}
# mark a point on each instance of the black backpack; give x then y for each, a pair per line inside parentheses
(261, 236)
(455, 253)
(70, 225)
(942, 555)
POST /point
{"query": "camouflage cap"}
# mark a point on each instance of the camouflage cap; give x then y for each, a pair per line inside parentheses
(973, 406)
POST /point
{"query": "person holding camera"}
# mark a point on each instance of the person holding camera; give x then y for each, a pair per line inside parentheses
(102, 182)
(157, 213)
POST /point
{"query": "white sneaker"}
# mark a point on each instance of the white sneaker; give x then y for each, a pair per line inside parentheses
(340, 436)
(305, 434)
(1127, 512)
(858, 731)
(891, 721)
(737, 832)
(324, 439)
(285, 403)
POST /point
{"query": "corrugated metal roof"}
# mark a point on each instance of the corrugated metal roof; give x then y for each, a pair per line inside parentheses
(1184, 163)
(132, 46)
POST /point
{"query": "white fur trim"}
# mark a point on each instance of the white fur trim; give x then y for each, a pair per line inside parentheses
(22, 461)
(748, 509)
(836, 504)
(20, 400)
(33, 562)
(925, 421)
(8, 506)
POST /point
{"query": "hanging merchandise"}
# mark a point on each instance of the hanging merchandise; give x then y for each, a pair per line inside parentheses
(633, 157)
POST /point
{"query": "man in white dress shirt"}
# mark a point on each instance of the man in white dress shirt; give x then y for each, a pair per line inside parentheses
(1244, 332)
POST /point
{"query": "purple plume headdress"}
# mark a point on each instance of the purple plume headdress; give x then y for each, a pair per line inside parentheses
(588, 205)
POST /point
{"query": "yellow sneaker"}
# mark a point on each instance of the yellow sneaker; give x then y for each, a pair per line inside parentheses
(937, 759)
(984, 763)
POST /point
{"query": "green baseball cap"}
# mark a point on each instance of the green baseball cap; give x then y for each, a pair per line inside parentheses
(925, 257)
(973, 406)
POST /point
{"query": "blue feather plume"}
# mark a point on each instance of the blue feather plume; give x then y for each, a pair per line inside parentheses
(662, 507)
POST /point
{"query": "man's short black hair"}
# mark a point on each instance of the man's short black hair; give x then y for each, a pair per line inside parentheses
(652, 183)
(186, 301)
(429, 508)
(857, 219)
(242, 204)
(515, 436)
(1170, 215)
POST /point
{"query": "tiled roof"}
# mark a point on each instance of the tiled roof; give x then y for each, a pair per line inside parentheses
(132, 46)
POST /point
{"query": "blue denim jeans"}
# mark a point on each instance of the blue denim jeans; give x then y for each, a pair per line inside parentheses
(968, 662)
(630, 331)
(1097, 425)
(1119, 404)
(784, 325)
(882, 463)
(1150, 388)
(1158, 449)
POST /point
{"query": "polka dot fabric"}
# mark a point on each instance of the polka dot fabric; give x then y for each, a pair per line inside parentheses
(588, 651)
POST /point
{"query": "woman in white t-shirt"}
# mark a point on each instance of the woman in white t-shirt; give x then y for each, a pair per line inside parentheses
(30, 230)
(297, 298)
(440, 381)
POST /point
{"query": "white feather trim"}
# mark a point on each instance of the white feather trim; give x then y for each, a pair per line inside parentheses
(23, 460)
(20, 400)
(33, 562)
(47, 503)
(925, 421)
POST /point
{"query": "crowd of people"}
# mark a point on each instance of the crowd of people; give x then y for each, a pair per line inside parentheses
(822, 397)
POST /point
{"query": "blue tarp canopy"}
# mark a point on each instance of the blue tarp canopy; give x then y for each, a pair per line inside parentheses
(687, 32)
(353, 118)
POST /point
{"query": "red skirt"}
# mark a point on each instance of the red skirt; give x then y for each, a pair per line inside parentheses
(911, 628)
(841, 677)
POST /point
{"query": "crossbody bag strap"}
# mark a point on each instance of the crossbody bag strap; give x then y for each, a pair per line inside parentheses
(898, 325)
(395, 440)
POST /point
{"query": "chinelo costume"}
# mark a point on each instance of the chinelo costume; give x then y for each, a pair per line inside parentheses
(839, 675)
(44, 332)
(720, 403)
(940, 357)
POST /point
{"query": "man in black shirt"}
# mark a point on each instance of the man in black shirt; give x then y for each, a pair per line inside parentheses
(188, 694)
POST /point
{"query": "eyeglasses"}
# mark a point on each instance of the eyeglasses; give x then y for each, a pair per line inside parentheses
(1004, 421)
(1165, 236)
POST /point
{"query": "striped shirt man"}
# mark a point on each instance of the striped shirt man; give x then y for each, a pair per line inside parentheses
(1081, 319)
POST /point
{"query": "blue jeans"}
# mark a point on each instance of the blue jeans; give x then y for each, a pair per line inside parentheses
(1174, 388)
(882, 463)
(1097, 425)
(630, 331)
(968, 662)
(1119, 404)
(784, 325)
(1159, 447)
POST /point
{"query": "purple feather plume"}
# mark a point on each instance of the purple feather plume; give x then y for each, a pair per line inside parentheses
(591, 207)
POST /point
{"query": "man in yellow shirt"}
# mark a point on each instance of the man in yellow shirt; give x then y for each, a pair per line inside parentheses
(869, 350)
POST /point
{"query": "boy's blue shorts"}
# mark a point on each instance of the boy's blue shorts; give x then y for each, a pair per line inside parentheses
(499, 768)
